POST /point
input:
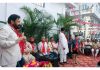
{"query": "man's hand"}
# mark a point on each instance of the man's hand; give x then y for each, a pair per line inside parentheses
(20, 38)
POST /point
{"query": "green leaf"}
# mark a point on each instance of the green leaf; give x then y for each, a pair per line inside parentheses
(37, 23)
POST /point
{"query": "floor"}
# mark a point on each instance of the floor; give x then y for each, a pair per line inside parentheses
(83, 61)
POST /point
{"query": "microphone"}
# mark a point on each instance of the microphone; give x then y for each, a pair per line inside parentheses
(21, 28)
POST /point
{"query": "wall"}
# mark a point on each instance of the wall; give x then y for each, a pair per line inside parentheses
(14, 8)
(2, 12)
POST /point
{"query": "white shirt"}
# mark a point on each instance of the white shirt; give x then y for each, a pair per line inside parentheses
(40, 47)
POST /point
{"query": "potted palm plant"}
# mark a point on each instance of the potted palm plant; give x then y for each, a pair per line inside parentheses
(66, 22)
(37, 23)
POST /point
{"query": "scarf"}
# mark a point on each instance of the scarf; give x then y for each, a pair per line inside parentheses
(43, 47)
(33, 47)
(21, 43)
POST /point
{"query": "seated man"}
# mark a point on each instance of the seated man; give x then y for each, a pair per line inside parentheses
(88, 44)
(95, 48)
(33, 44)
(87, 47)
(52, 46)
(26, 55)
(42, 46)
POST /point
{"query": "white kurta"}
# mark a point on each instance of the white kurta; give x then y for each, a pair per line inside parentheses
(63, 44)
(40, 47)
(9, 49)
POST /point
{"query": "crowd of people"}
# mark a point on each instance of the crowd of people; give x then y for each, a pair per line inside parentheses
(16, 49)
(93, 45)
